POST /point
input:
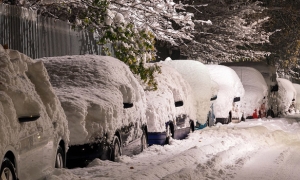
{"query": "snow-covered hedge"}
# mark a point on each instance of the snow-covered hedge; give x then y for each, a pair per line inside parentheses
(197, 75)
(286, 93)
(92, 90)
(161, 103)
(255, 88)
(230, 86)
(25, 90)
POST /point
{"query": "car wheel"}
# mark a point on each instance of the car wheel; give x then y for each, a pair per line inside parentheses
(8, 170)
(144, 141)
(59, 159)
(116, 153)
(192, 127)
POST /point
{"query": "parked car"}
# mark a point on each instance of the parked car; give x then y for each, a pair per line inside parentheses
(227, 106)
(105, 106)
(270, 76)
(33, 128)
(256, 92)
(286, 96)
(297, 100)
(170, 109)
(197, 75)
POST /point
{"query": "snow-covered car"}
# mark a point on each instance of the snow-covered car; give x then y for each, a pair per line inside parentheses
(270, 76)
(297, 100)
(170, 110)
(197, 75)
(34, 133)
(227, 105)
(286, 95)
(105, 107)
(256, 91)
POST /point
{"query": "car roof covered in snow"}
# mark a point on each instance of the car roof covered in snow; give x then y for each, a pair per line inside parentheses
(197, 75)
(92, 90)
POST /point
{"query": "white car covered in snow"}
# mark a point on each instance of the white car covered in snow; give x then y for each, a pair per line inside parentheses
(286, 95)
(227, 105)
(197, 75)
(297, 100)
(105, 107)
(270, 76)
(256, 91)
(170, 108)
(33, 127)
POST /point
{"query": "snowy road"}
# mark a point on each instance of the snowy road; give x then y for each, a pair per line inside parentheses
(257, 149)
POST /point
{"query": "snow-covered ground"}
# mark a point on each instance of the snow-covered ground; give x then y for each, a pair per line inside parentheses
(264, 149)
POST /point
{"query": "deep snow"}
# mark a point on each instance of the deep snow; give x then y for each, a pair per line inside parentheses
(261, 149)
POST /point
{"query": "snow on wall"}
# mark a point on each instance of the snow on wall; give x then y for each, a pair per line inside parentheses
(161, 103)
(230, 86)
(26, 91)
(286, 93)
(297, 100)
(255, 88)
(197, 75)
(267, 71)
(92, 90)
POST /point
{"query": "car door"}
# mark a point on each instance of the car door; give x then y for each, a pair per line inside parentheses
(131, 141)
(33, 141)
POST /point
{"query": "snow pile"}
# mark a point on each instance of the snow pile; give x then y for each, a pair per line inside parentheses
(92, 90)
(25, 90)
(297, 101)
(230, 86)
(197, 75)
(161, 103)
(255, 88)
(286, 94)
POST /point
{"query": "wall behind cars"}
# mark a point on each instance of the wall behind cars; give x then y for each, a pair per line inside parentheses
(37, 36)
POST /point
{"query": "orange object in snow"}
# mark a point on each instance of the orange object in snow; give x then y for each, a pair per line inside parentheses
(254, 115)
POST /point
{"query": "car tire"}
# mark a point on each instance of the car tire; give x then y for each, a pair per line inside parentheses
(116, 150)
(144, 141)
(192, 126)
(8, 170)
(59, 158)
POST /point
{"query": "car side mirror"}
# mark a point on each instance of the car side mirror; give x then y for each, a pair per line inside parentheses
(127, 105)
(213, 98)
(236, 99)
(178, 103)
(28, 118)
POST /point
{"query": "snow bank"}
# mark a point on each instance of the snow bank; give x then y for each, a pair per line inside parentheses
(255, 88)
(161, 103)
(230, 86)
(286, 93)
(25, 90)
(297, 101)
(197, 75)
(92, 90)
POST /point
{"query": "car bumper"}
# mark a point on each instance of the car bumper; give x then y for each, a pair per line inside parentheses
(159, 138)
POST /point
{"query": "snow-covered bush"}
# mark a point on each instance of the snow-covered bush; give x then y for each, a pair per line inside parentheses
(92, 90)
(197, 75)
